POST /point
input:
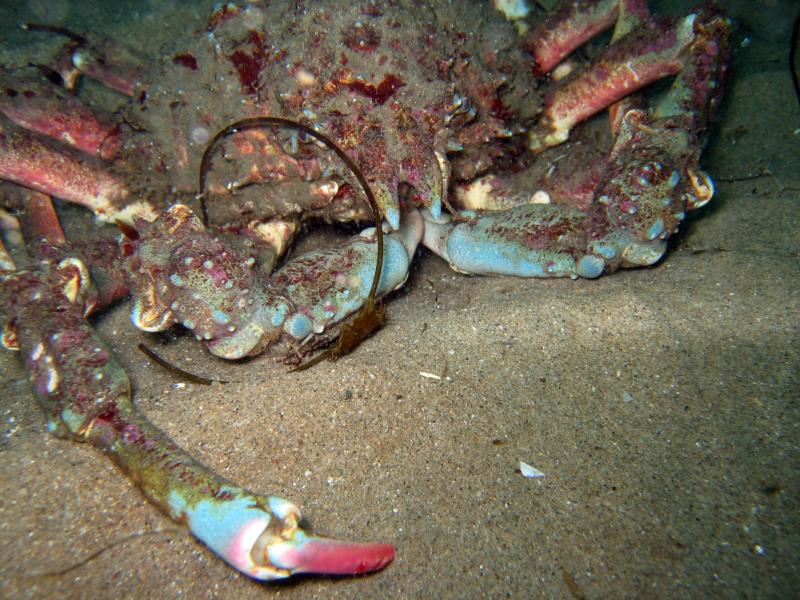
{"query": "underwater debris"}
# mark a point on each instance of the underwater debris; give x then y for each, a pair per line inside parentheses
(529, 471)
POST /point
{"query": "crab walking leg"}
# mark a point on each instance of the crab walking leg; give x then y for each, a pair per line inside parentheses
(40, 108)
(85, 394)
(39, 221)
(571, 26)
(104, 60)
(653, 51)
(123, 77)
(33, 161)
(575, 23)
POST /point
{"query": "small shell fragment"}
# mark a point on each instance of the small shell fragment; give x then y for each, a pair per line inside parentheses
(429, 375)
(529, 471)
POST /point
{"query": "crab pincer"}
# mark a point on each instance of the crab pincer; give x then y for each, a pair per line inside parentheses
(260, 537)
(86, 396)
(307, 553)
(313, 554)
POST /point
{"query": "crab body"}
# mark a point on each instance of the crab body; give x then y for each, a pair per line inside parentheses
(397, 86)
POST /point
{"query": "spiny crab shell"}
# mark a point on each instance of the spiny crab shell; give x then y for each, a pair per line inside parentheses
(399, 86)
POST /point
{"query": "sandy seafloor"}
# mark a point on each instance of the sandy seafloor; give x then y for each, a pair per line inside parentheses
(661, 403)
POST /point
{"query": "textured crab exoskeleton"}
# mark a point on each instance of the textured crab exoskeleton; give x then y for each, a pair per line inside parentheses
(414, 114)
(628, 203)
(644, 49)
(180, 273)
(651, 185)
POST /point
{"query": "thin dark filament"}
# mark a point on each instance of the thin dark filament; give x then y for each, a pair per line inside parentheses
(106, 548)
(260, 123)
(151, 354)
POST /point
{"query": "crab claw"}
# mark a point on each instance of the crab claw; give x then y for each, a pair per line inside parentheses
(307, 553)
(260, 536)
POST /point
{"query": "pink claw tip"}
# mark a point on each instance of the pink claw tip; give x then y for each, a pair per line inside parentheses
(333, 557)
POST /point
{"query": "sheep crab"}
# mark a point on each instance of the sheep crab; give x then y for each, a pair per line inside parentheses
(474, 125)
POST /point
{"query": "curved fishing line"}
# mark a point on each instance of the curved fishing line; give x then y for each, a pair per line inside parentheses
(369, 317)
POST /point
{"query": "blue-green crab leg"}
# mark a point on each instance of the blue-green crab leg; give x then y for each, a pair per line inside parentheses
(85, 395)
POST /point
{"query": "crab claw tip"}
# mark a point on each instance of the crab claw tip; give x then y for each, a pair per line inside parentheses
(328, 556)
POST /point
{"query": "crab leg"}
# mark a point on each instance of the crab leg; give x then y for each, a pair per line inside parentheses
(180, 273)
(697, 90)
(656, 49)
(85, 395)
(33, 161)
(123, 77)
(574, 24)
(651, 182)
(105, 61)
(631, 64)
(39, 216)
(64, 118)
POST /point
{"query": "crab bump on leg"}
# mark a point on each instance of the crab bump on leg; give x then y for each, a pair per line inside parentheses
(180, 273)
(627, 225)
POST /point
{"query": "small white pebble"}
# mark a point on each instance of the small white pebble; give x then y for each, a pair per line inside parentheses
(304, 78)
